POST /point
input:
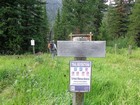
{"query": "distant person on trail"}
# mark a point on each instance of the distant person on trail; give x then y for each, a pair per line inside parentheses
(49, 47)
(53, 49)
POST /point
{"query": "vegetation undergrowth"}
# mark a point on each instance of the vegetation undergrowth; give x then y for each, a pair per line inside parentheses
(41, 80)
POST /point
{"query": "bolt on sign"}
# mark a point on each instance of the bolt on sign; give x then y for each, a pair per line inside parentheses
(80, 76)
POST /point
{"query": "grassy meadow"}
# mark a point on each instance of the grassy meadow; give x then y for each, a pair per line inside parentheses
(39, 80)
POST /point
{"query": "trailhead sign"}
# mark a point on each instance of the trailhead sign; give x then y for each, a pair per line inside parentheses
(80, 69)
(32, 42)
(81, 48)
(80, 76)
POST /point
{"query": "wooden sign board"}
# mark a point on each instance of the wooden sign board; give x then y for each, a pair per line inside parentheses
(81, 48)
(81, 37)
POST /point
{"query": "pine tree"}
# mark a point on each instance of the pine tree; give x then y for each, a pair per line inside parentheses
(103, 34)
(59, 30)
(9, 27)
(117, 19)
(22, 20)
(40, 25)
(112, 23)
(82, 16)
(98, 7)
(134, 26)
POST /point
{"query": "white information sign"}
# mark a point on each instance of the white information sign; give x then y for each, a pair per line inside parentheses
(80, 76)
(32, 42)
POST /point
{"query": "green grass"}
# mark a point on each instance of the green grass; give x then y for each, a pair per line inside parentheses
(39, 80)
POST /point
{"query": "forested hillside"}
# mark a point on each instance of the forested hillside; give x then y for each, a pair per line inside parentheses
(79, 17)
(23, 20)
(116, 23)
(52, 7)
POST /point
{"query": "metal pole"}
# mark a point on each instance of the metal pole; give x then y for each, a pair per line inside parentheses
(33, 49)
(130, 50)
(115, 48)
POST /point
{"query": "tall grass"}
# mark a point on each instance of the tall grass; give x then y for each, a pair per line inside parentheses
(41, 80)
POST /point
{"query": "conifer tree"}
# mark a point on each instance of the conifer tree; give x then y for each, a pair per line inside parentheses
(103, 34)
(9, 27)
(59, 30)
(41, 25)
(82, 15)
(134, 26)
(117, 20)
(22, 20)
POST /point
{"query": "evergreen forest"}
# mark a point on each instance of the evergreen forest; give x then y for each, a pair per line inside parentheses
(24, 20)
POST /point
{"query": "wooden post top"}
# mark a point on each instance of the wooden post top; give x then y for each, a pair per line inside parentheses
(85, 37)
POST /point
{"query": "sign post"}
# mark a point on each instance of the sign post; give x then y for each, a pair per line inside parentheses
(33, 44)
(80, 76)
(80, 80)
(80, 69)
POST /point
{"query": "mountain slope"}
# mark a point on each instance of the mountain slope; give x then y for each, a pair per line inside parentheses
(52, 7)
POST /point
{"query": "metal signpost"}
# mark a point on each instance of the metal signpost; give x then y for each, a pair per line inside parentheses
(80, 69)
